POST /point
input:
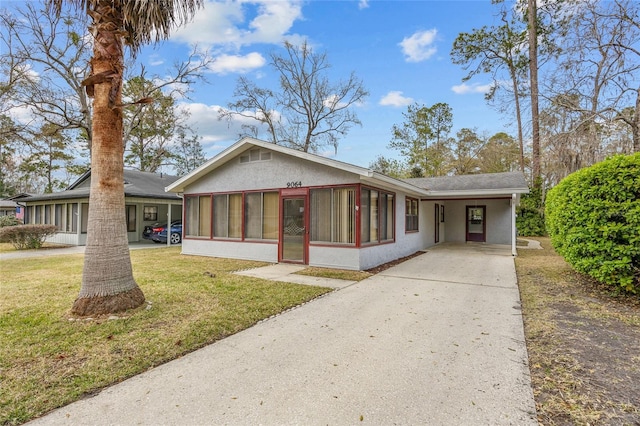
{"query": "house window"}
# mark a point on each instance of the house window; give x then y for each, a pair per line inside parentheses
(131, 218)
(227, 216)
(333, 215)
(150, 213)
(261, 215)
(376, 216)
(47, 214)
(256, 154)
(72, 217)
(59, 216)
(198, 216)
(85, 218)
(37, 219)
(411, 215)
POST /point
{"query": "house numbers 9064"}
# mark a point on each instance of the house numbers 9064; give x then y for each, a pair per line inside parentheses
(297, 184)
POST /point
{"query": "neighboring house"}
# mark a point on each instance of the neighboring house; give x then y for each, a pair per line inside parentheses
(261, 201)
(146, 203)
(10, 206)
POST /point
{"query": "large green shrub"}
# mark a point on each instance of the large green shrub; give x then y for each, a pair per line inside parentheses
(593, 218)
(26, 236)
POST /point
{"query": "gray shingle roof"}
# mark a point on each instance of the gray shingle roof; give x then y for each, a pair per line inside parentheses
(488, 181)
(137, 184)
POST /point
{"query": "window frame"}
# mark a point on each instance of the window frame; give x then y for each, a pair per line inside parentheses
(132, 224)
(200, 227)
(412, 220)
(350, 221)
(385, 201)
(150, 213)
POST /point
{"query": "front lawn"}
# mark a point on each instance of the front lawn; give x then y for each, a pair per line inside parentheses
(48, 360)
(583, 341)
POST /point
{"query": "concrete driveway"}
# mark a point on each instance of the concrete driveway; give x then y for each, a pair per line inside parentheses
(437, 340)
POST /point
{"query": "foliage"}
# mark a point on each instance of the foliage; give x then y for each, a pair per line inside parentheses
(530, 213)
(491, 50)
(422, 138)
(149, 128)
(9, 220)
(309, 112)
(390, 167)
(26, 236)
(188, 153)
(593, 218)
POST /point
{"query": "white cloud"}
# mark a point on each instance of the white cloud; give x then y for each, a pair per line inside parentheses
(224, 23)
(333, 102)
(395, 99)
(155, 60)
(420, 46)
(225, 64)
(363, 4)
(463, 89)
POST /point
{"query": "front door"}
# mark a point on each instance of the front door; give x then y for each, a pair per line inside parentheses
(476, 223)
(293, 238)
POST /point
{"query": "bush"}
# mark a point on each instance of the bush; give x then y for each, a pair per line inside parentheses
(593, 218)
(530, 218)
(9, 220)
(26, 236)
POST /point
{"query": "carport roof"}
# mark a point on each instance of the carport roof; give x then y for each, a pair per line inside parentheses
(488, 184)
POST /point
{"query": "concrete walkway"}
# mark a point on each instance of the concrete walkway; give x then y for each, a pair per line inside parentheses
(287, 273)
(436, 340)
(67, 250)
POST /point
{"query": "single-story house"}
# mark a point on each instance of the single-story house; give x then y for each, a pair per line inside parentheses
(146, 203)
(261, 201)
(10, 206)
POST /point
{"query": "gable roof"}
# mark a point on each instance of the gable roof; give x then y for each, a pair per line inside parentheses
(244, 144)
(469, 185)
(479, 185)
(136, 184)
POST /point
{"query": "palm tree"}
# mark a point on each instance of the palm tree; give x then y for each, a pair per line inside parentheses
(108, 285)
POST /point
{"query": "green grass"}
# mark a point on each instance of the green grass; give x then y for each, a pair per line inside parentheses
(48, 360)
(339, 274)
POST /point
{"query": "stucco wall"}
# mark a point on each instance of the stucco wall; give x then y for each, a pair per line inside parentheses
(498, 220)
(265, 252)
(270, 174)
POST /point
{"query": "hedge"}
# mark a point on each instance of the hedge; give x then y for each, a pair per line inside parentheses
(593, 219)
(26, 236)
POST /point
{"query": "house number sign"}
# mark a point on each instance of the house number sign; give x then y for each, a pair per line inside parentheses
(296, 184)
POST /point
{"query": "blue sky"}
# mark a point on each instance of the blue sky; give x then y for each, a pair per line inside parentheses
(400, 50)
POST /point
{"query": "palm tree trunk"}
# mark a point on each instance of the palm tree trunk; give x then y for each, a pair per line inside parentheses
(108, 285)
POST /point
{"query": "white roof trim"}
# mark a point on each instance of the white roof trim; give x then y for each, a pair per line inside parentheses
(506, 192)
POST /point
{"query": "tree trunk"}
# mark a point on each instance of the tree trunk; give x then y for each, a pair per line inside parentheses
(516, 96)
(635, 127)
(533, 74)
(108, 285)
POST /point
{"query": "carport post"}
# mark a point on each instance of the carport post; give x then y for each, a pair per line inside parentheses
(513, 225)
(169, 224)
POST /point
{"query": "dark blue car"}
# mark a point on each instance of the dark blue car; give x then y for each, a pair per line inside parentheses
(158, 233)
